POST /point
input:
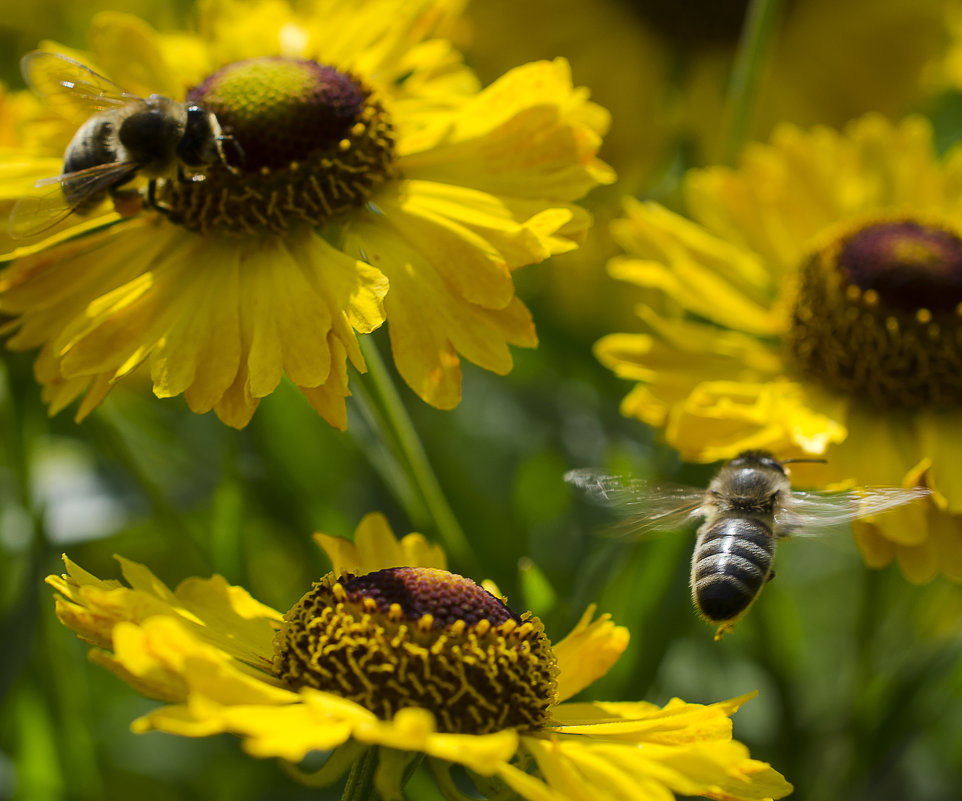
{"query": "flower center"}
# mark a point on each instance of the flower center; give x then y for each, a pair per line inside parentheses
(420, 637)
(303, 142)
(878, 315)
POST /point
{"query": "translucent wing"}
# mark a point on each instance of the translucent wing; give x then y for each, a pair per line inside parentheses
(54, 199)
(61, 79)
(807, 512)
(644, 507)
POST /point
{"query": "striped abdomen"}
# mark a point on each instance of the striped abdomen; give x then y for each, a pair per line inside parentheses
(731, 563)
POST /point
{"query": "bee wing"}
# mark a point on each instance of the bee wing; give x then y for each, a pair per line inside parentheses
(56, 77)
(52, 200)
(644, 507)
(809, 511)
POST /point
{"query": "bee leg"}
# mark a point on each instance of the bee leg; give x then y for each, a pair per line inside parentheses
(235, 147)
(127, 202)
(771, 575)
(723, 630)
(152, 200)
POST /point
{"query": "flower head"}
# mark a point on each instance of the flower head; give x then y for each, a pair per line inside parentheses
(362, 177)
(409, 658)
(823, 282)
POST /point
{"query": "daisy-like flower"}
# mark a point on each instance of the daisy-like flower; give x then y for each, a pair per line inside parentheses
(392, 652)
(365, 178)
(823, 285)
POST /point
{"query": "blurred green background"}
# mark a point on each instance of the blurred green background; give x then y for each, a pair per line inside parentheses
(858, 672)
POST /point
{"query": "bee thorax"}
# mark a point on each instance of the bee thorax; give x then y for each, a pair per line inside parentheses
(151, 138)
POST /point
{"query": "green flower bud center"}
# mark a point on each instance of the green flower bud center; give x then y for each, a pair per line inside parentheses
(420, 637)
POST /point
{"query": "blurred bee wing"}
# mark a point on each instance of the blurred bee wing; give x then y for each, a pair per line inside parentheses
(53, 199)
(644, 507)
(58, 78)
(809, 511)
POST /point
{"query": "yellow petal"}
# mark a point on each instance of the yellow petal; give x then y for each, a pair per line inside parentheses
(414, 730)
(588, 652)
(722, 418)
(439, 222)
(715, 278)
(201, 352)
(327, 399)
(939, 435)
(430, 322)
(676, 723)
(530, 133)
(375, 547)
(165, 645)
(622, 771)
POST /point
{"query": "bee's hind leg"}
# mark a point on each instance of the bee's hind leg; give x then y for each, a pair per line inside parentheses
(127, 202)
(723, 629)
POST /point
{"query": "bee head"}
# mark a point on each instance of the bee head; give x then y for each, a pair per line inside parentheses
(751, 482)
(762, 459)
(202, 141)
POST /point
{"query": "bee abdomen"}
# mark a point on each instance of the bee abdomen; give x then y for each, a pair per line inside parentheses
(731, 563)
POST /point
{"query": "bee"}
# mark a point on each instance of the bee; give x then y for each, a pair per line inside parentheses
(126, 136)
(748, 506)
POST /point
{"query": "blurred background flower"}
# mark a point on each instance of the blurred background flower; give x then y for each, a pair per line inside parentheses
(823, 287)
(666, 85)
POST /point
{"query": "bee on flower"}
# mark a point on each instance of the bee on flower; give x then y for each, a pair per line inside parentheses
(357, 175)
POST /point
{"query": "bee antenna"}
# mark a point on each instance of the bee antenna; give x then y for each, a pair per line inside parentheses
(797, 461)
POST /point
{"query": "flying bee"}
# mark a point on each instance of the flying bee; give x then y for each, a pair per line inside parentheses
(748, 506)
(126, 136)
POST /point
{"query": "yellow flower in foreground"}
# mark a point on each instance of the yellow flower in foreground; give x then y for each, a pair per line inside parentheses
(823, 285)
(367, 178)
(411, 659)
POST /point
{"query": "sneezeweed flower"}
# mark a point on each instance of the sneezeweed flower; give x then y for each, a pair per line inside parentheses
(391, 652)
(367, 179)
(822, 281)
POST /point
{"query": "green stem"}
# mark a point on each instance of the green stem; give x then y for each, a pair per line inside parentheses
(412, 454)
(110, 439)
(757, 37)
(360, 781)
(382, 450)
(445, 782)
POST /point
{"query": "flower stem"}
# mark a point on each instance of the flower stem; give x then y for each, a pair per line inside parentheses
(413, 456)
(360, 781)
(750, 60)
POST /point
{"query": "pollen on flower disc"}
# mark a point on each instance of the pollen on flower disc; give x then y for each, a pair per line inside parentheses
(420, 637)
(878, 315)
(281, 110)
(420, 591)
(303, 142)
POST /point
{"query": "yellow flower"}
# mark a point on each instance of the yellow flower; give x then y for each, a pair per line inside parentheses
(410, 659)
(823, 285)
(364, 177)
